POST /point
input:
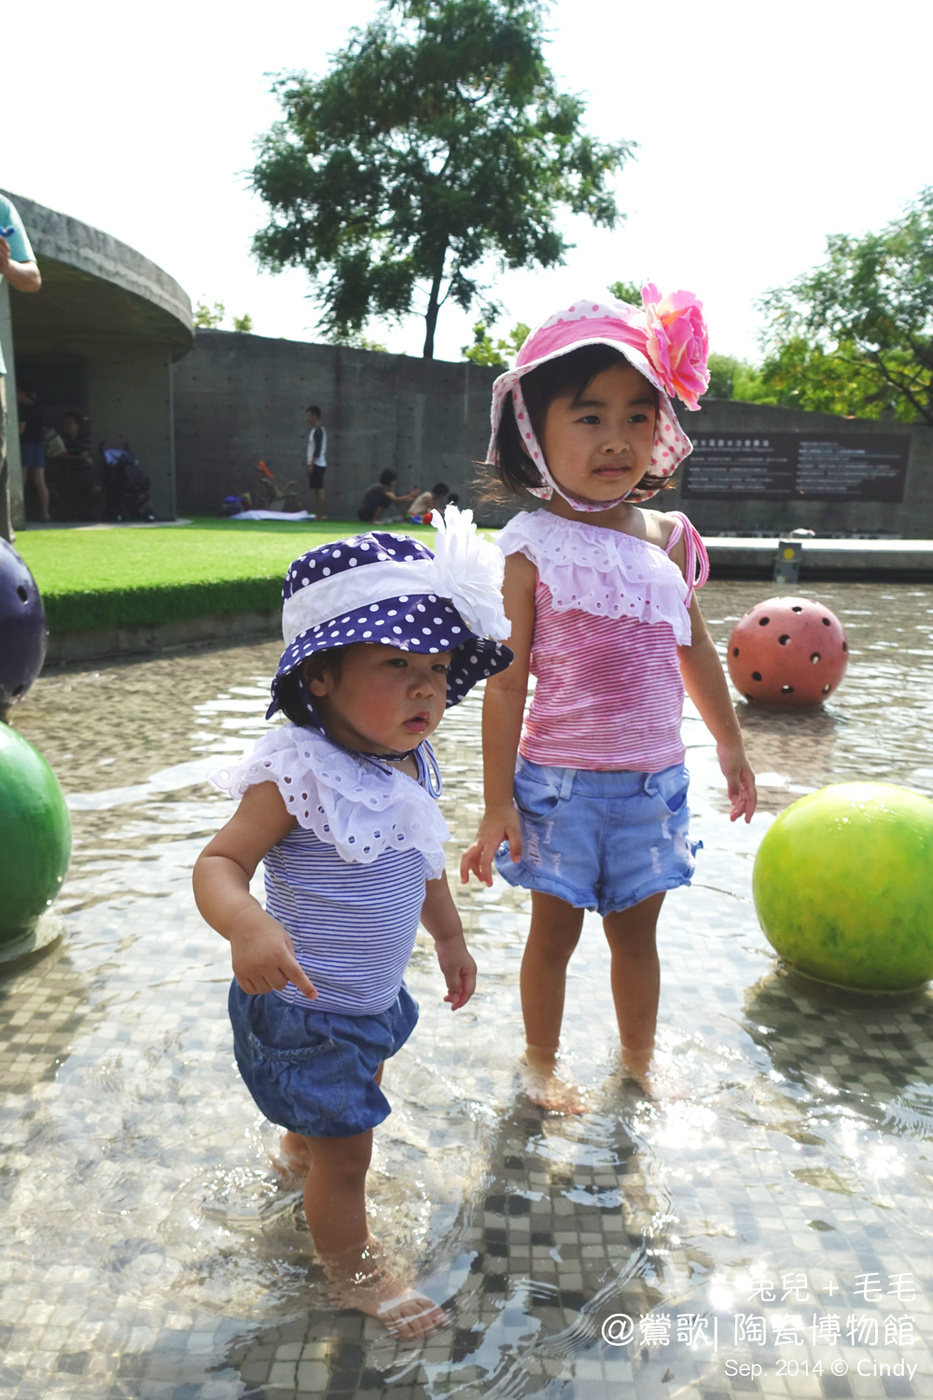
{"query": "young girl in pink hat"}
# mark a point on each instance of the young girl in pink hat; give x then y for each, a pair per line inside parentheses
(586, 798)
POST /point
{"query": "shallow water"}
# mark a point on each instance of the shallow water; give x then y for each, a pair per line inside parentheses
(148, 1251)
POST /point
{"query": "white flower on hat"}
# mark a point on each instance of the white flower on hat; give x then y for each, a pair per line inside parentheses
(469, 571)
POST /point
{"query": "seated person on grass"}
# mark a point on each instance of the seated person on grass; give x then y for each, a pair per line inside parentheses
(381, 496)
(427, 501)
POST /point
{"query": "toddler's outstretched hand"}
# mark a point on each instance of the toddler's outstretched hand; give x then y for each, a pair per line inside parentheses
(498, 825)
(740, 781)
(459, 970)
(264, 959)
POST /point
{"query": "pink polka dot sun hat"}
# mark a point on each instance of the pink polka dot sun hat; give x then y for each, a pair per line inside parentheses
(665, 340)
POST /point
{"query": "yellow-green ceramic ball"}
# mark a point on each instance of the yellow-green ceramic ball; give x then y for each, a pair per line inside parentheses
(843, 886)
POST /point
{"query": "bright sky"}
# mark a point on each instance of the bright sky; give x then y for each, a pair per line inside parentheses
(760, 130)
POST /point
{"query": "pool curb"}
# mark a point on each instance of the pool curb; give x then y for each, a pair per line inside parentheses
(67, 647)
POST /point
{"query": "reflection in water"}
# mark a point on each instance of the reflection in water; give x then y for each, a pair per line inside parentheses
(791, 753)
(148, 1248)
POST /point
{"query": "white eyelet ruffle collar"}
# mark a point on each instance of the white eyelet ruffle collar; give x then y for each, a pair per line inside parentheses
(360, 807)
(601, 572)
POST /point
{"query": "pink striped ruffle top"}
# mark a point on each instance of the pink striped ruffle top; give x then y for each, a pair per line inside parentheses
(611, 611)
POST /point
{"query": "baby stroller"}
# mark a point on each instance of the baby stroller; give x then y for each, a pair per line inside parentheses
(126, 485)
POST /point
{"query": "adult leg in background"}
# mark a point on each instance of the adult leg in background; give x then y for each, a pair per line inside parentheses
(6, 519)
(37, 478)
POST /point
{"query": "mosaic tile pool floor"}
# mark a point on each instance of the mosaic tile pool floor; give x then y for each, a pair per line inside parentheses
(766, 1233)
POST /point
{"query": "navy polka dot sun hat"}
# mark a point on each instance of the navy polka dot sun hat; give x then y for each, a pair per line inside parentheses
(381, 587)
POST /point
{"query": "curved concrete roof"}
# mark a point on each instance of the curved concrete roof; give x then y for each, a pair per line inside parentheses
(98, 285)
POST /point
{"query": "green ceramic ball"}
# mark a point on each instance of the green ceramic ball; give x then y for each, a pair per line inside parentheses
(35, 835)
(843, 886)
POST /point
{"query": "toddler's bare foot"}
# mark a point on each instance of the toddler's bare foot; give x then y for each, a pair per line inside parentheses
(545, 1087)
(362, 1279)
(292, 1162)
(656, 1080)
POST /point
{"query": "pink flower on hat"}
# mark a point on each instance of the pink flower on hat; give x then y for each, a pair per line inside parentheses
(677, 343)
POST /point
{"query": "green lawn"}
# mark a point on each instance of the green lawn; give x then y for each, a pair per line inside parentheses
(91, 579)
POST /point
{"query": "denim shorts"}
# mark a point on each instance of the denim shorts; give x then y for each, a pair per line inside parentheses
(312, 1071)
(600, 840)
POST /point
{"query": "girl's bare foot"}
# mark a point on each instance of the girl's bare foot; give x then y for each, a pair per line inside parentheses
(361, 1279)
(545, 1087)
(657, 1080)
(292, 1163)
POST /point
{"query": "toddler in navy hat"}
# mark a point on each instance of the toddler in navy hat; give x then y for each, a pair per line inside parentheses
(340, 805)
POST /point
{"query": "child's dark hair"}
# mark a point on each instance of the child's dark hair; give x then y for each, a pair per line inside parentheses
(515, 473)
(291, 703)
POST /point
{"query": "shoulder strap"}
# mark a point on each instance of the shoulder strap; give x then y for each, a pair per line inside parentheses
(696, 570)
(429, 773)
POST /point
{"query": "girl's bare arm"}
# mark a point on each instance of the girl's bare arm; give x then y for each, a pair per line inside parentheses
(503, 708)
(439, 916)
(262, 950)
(705, 683)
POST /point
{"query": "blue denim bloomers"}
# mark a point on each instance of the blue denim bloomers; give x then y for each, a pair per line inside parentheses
(312, 1071)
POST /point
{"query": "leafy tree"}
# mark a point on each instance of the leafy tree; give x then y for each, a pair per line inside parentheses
(722, 370)
(730, 378)
(243, 323)
(859, 328)
(626, 291)
(437, 139)
(746, 382)
(358, 341)
(486, 351)
(209, 318)
(844, 381)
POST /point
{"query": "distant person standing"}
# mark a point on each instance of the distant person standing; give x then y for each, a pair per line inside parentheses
(32, 445)
(316, 458)
(18, 268)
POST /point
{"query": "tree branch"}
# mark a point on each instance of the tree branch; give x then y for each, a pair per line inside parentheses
(925, 411)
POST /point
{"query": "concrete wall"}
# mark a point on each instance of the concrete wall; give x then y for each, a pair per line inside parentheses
(123, 321)
(239, 398)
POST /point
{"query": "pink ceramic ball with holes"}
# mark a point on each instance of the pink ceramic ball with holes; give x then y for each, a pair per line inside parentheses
(788, 651)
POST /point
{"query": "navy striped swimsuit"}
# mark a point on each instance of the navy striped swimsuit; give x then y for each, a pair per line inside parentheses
(353, 926)
(348, 881)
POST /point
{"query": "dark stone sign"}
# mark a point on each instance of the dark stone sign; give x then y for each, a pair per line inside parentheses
(787, 466)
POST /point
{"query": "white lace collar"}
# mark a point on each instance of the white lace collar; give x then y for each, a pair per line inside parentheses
(359, 806)
(601, 572)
